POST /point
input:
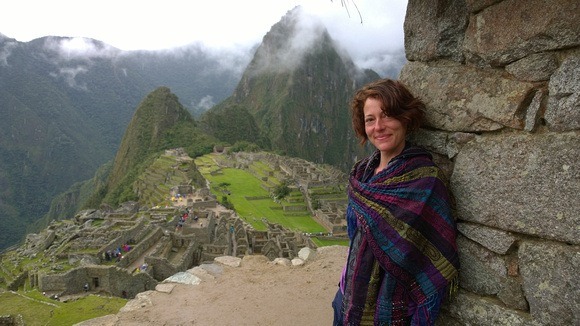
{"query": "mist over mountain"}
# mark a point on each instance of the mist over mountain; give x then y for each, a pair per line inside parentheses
(67, 102)
(297, 88)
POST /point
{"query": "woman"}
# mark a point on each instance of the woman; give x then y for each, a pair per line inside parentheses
(402, 260)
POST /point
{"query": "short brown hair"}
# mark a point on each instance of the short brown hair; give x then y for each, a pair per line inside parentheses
(397, 102)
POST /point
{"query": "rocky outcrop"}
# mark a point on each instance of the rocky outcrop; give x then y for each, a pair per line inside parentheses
(502, 87)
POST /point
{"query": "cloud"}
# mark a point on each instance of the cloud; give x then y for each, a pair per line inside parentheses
(205, 103)
(138, 25)
(69, 75)
(234, 58)
(370, 33)
(278, 53)
(385, 64)
(70, 48)
(371, 38)
(368, 47)
(6, 51)
(218, 24)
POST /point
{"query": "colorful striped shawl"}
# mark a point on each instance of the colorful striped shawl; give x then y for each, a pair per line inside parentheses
(407, 229)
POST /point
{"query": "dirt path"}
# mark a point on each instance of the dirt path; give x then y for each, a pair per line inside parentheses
(257, 293)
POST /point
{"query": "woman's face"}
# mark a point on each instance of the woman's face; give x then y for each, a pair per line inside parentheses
(385, 133)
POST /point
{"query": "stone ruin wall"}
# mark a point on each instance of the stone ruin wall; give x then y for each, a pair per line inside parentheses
(165, 251)
(501, 80)
(143, 245)
(161, 262)
(117, 281)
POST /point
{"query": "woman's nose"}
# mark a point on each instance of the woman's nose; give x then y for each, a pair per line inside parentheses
(380, 123)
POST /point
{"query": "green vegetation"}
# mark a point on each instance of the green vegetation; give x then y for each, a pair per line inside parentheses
(54, 134)
(321, 242)
(250, 199)
(232, 124)
(37, 309)
(159, 123)
(295, 111)
(13, 264)
(260, 193)
(244, 146)
(281, 191)
(154, 183)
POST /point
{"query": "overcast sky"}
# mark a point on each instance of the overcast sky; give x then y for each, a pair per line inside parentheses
(152, 25)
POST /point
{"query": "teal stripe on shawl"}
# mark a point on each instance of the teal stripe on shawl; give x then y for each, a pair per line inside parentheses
(405, 216)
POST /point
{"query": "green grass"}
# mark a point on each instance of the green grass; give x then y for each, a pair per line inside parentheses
(321, 242)
(37, 309)
(243, 184)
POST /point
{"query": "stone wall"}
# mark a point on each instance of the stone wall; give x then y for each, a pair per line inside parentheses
(126, 236)
(108, 279)
(141, 248)
(174, 254)
(501, 80)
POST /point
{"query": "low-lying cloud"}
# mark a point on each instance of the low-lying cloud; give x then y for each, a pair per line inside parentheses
(69, 74)
(6, 51)
(70, 48)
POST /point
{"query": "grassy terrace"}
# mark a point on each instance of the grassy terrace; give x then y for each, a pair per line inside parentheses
(37, 309)
(241, 187)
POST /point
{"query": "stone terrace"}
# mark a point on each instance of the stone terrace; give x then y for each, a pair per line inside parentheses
(151, 243)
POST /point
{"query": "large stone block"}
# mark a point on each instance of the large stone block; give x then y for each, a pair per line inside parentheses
(563, 111)
(481, 271)
(498, 241)
(471, 309)
(512, 294)
(477, 5)
(551, 282)
(512, 29)
(527, 183)
(434, 30)
(487, 273)
(534, 67)
(461, 98)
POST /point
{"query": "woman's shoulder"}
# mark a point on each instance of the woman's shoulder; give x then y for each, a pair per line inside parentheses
(414, 153)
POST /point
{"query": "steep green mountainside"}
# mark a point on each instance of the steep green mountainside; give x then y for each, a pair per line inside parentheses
(160, 122)
(297, 88)
(68, 102)
(233, 124)
(66, 204)
(66, 105)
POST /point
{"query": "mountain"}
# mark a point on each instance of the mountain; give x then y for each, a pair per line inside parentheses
(66, 103)
(200, 77)
(297, 88)
(159, 123)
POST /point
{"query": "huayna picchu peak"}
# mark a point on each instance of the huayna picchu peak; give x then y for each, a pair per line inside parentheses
(297, 88)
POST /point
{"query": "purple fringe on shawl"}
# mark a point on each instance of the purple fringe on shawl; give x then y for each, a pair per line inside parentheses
(403, 257)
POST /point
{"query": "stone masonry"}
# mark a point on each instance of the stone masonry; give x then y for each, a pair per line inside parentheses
(501, 80)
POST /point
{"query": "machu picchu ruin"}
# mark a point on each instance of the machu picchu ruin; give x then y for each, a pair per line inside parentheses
(174, 226)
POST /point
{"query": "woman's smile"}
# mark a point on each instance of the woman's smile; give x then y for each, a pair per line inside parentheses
(386, 133)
